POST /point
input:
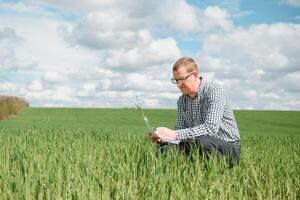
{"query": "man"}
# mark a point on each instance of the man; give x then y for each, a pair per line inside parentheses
(204, 117)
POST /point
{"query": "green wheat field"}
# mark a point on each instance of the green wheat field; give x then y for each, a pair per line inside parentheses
(68, 153)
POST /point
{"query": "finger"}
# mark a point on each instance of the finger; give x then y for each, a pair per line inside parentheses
(158, 131)
(159, 128)
(151, 135)
(152, 138)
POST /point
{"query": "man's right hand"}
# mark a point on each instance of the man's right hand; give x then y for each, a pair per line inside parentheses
(154, 138)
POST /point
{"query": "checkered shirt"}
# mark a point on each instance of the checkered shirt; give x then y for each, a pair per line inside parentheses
(208, 113)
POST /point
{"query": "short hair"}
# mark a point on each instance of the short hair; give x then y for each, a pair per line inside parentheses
(188, 63)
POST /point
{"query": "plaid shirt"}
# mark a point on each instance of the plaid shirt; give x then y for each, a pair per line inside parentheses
(208, 113)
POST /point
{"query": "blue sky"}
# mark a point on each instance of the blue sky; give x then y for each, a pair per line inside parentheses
(103, 53)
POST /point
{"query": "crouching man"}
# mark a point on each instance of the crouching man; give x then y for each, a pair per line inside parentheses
(204, 117)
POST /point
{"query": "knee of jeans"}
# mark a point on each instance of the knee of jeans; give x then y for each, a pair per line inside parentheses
(204, 145)
(203, 142)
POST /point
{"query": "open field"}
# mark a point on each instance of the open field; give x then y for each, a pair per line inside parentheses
(103, 154)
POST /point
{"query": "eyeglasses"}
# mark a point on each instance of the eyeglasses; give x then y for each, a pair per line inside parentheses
(182, 80)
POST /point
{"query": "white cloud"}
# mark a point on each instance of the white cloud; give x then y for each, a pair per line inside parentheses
(58, 95)
(125, 41)
(258, 73)
(7, 87)
(104, 29)
(145, 54)
(104, 53)
(179, 16)
(250, 94)
(212, 63)
(42, 47)
(10, 41)
(216, 19)
(290, 82)
(53, 76)
(267, 47)
(260, 64)
(36, 86)
(89, 87)
(152, 103)
(294, 3)
(9, 34)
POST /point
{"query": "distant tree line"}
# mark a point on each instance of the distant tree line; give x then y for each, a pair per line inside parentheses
(11, 105)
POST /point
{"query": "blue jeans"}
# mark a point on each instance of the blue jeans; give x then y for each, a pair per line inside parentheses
(208, 146)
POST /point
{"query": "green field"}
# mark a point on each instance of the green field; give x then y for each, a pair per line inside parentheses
(62, 153)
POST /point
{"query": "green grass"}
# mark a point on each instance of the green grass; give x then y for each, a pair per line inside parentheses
(104, 154)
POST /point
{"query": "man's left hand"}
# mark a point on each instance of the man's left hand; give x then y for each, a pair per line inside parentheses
(166, 134)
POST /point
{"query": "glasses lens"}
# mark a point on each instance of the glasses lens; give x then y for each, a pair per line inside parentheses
(179, 81)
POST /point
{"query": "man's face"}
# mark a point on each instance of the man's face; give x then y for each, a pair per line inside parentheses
(187, 81)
